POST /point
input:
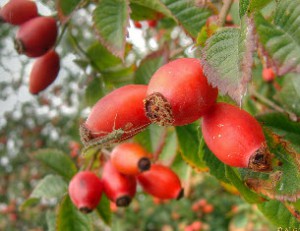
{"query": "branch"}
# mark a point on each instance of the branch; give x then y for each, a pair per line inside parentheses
(224, 11)
(293, 117)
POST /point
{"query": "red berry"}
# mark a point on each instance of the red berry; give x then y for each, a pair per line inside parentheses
(130, 158)
(268, 74)
(152, 23)
(137, 24)
(197, 225)
(178, 93)
(17, 12)
(161, 182)
(119, 188)
(44, 71)
(121, 109)
(36, 36)
(208, 208)
(85, 190)
(235, 137)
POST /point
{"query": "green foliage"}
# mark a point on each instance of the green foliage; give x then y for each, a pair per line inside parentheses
(278, 214)
(111, 20)
(280, 38)
(66, 7)
(250, 6)
(148, 66)
(103, 210)
(69, 218)
(290, 93)
(57, 161)
(191, 17)
(189, 144)
(227, 59)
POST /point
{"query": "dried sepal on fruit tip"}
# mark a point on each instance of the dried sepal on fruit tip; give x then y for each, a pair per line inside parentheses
(158, 109)
(261, 160)
(123, 201)
(144, 164)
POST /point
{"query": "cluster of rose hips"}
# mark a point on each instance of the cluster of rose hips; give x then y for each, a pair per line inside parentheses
(128, 164)
(35, 38)
(178, 94)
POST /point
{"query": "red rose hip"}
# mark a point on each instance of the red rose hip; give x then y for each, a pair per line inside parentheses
(85, 190)
(235, 137)
(119, 188)
(17, 12)
(161, 182)
(178, 93)
(130, 158)
(121, 109)
(268, 74)
(36, 36)
(44, 71)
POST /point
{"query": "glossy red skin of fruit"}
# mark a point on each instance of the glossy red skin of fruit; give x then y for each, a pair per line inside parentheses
(268, 74)
(186, 89)
(232, 134)
(126, 157)
(17, 12)
(121, 109)
(36, 36)
(85, 190)
(117, 185)
(44, 71)
(161, 182)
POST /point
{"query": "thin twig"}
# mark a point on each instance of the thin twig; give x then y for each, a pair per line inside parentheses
(160, 145)
(274, 106)
(65, 26)
(224, 11)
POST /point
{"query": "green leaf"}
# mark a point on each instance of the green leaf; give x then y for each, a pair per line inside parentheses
(155, 5)
(236, 180)
(101, 58)
(94, 92)
(170, 147)
(278, 214)
(111, 19)
(149, 65)
(140, 13)
(66, 7)
(285, 188)
(103, 210)
(280, 183)
(227, 59)
(283, 126)
(289, 95)
(244, 4)
(57, 161)
(51, 186)
(281, 38)
(189, 144)
(250, 6)
(69, 218)
(119, 76)
(191, 17)
(216, 167)
(152, 138)
(29, 203)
